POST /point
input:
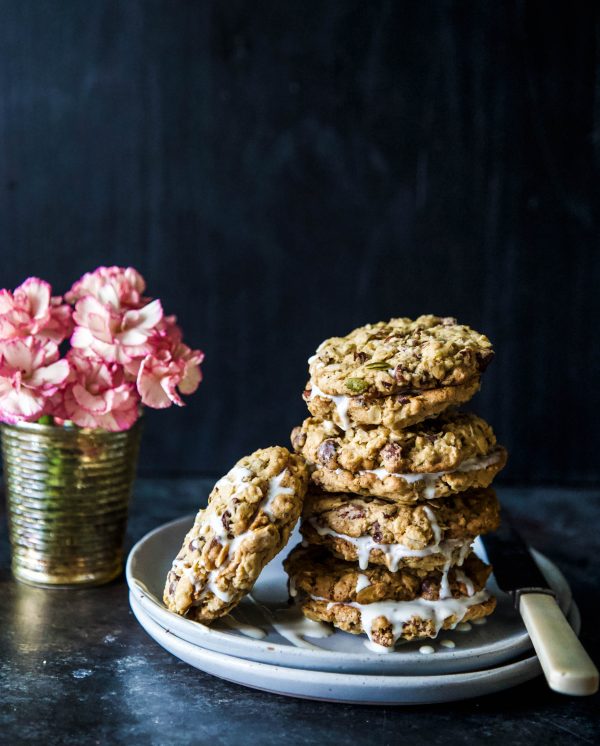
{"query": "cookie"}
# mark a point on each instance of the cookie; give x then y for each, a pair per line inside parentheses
(436, 445)
(410, 488)
(373, 531)
(432, 459)
(250, 514)
(395, 412)
(408, 604)
(390, 357)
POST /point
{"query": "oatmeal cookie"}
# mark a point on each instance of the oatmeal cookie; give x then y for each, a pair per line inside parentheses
(442, 444)
(373, 531)
(392, 356)
(413, 487)
(250, 514)
(387, 606)
(395, 412)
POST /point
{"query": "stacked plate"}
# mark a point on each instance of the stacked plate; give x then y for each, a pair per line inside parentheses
(267, 645)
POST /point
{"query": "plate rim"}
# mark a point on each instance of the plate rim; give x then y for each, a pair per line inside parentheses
(529, 666)
(253, 647)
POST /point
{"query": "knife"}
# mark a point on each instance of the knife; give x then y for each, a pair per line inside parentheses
(567, 667)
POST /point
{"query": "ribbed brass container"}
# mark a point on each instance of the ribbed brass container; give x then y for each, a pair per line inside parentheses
(68, 492)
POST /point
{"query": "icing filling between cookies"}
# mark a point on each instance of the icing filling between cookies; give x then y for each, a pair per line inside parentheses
(235, 477)
(398, 613)
(341, 404)
(395, 553)
(430, 492)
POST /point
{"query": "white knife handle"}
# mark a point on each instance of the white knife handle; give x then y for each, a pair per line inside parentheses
(566, 665)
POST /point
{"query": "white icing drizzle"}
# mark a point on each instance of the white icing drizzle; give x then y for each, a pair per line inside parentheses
(445, 591)
(293, 626)
(235, 477)
(426, 649)
(340, 402)
(275, 489)
(448, 644)
(292, 587)
(435, 526)
(464, 627)
(430, 478)
(394, 553)
(362, 582)
(398, 613)
(256, 633)
(462, 578)
(480, 622)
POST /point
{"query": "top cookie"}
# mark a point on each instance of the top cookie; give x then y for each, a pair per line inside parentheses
(251, 512)
(398, 355)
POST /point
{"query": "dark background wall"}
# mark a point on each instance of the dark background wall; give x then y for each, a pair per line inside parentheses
(282, 172)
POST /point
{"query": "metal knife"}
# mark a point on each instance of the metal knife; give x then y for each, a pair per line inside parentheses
(567, 667)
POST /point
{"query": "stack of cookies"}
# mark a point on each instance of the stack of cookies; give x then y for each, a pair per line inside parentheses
(400, 482)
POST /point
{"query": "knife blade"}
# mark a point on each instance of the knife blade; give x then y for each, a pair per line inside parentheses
(566, 665)
(515, 570)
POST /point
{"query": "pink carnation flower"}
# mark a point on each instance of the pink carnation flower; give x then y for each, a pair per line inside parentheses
(117, 287)
(31, 311)
(163, 375)
(172, 368)
(30, 373)
(97, 395)
(114, 334)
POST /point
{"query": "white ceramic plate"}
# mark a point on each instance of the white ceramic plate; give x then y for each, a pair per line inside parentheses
(350, 688)
(503, 637)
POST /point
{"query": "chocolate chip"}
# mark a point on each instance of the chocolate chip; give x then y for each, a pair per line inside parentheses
(298, 438)
(400, 374)
(352, 512)
(326, 453)
(376, 532)
(391, 454)
(226, 521)
(484, 359)
(429, 589)
(360, 357)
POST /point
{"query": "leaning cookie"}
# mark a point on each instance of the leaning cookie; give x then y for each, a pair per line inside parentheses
(432, 459)
(372, 531)
(389, 357)
(251, 512)
(407, 604)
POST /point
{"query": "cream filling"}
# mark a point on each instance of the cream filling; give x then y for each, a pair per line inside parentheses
(398, 613)
(395, 553)
(214, 521)
(340, 402)
(430, 478)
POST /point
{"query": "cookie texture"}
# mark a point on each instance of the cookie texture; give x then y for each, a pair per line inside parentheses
(409, 604)
(392, 356)
(374, 531)
(319, 575)
(250, 514)
(395, 411)
(436, 445)
(410, 488)
(386, 631)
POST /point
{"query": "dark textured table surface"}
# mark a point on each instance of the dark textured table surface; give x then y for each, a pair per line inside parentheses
(76, 668)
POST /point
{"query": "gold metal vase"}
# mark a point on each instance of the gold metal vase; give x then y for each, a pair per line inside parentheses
(68, 491)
